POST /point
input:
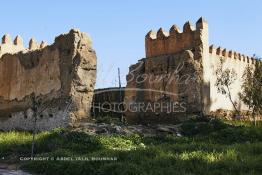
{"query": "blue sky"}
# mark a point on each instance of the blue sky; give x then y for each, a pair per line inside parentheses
(118, 27)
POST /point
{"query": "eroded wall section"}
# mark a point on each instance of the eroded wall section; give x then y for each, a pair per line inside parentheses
(61, 76)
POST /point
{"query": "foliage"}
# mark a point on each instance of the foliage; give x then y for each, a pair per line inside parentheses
(211, 147)
(225, 79)
(252, 88)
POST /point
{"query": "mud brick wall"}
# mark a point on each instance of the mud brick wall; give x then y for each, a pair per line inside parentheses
(180, 66)
(61, 76)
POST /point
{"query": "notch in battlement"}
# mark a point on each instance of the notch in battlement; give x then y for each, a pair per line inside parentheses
(223, 53)
(162, 42)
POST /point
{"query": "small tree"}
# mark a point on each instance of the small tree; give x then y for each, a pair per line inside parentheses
(225, 79)
(252, 89)
(35, 104)
(38, 107)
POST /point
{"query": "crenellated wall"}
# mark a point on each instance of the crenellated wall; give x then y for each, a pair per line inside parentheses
(61, 76)
(163, 43)
(231, 60)
(165, 53)
(224, 53)
(9, 46)
(170, 74)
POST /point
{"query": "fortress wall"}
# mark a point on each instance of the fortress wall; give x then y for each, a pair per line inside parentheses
(161, 81)
(19, 79)
(167, 50)
(9, 46)
(163, 43)
(231, 60)
(170, 73)
(61, 76)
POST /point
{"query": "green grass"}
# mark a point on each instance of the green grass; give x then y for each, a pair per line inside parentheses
(212, 147)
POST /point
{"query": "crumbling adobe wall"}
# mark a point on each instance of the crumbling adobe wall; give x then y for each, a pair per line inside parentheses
(171, 73)
(61, 75)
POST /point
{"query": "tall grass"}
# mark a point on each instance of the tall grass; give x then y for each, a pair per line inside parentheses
(206, 148)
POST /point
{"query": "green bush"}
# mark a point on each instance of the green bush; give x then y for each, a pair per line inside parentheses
(211, 148)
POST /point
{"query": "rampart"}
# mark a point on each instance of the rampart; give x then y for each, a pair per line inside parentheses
(61, 76)
(173, 61)
(185, 66)
(163, 43)
(233, 61)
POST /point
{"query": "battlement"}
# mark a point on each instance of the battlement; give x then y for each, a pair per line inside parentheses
(222, 52)
(9, 46)
(165, 53)
(162, 42)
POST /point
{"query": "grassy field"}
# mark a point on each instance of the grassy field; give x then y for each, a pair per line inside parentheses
(213, 147)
